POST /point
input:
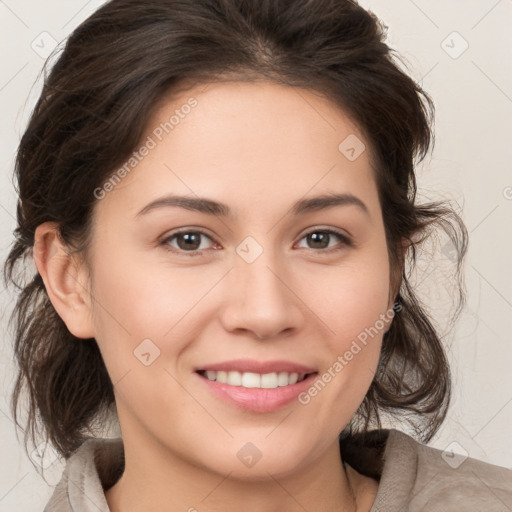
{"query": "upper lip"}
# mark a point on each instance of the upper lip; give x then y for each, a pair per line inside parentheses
(253, 366)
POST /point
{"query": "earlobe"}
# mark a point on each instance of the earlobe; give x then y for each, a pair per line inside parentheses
(64, 279)
(396, 276)
(405, 246)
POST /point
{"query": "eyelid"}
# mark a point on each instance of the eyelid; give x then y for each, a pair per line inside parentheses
(341, 233)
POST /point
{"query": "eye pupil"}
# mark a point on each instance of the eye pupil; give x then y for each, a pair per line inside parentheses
(193, 240)
(319, 238)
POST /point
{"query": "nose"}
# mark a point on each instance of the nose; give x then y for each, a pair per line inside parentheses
(261, 300)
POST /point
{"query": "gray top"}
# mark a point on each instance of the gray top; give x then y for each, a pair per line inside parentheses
(413, 477)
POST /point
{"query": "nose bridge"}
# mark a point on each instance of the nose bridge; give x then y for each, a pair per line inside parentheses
(259, 299)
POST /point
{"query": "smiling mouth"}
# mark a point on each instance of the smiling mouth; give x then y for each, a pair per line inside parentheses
(254, 380)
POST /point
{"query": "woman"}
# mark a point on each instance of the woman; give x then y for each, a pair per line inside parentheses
(219, 197)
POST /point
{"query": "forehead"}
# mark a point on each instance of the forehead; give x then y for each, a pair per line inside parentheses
(249, 144)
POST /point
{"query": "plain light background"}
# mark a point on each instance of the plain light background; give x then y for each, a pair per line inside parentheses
(460, 52)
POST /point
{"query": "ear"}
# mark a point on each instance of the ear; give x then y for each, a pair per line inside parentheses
(65, 279)
(396, 275)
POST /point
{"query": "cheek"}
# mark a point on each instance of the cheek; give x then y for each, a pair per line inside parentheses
(134, 301)
(352, 308)
(126, 312)
(355, 299)
(355, 309)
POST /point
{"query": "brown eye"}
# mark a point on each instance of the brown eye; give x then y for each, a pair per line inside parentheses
(321, 239)
(185, 241)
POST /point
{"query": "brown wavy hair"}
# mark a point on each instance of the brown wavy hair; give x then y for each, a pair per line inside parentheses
(95, 104)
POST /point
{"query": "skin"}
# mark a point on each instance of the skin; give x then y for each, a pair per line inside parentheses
(258, 148)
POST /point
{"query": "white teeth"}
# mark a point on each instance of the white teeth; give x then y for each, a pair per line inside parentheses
(282, 379)
(269, 381)
(234, 378)
(211, 375)
(255, 380)
(251, 380)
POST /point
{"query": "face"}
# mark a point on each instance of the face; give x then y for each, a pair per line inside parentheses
(269, 283)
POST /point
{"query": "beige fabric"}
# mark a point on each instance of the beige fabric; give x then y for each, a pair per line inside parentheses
(412, 477)
(417, 478)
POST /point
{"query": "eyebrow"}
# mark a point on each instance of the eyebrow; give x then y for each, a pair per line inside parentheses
(211, 207)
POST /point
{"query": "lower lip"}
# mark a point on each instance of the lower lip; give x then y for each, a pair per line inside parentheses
(258, 399)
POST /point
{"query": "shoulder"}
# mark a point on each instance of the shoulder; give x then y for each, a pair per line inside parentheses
(91, 469)
(425, 478)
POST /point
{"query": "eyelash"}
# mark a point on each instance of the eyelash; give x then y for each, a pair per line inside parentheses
(346, 241)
